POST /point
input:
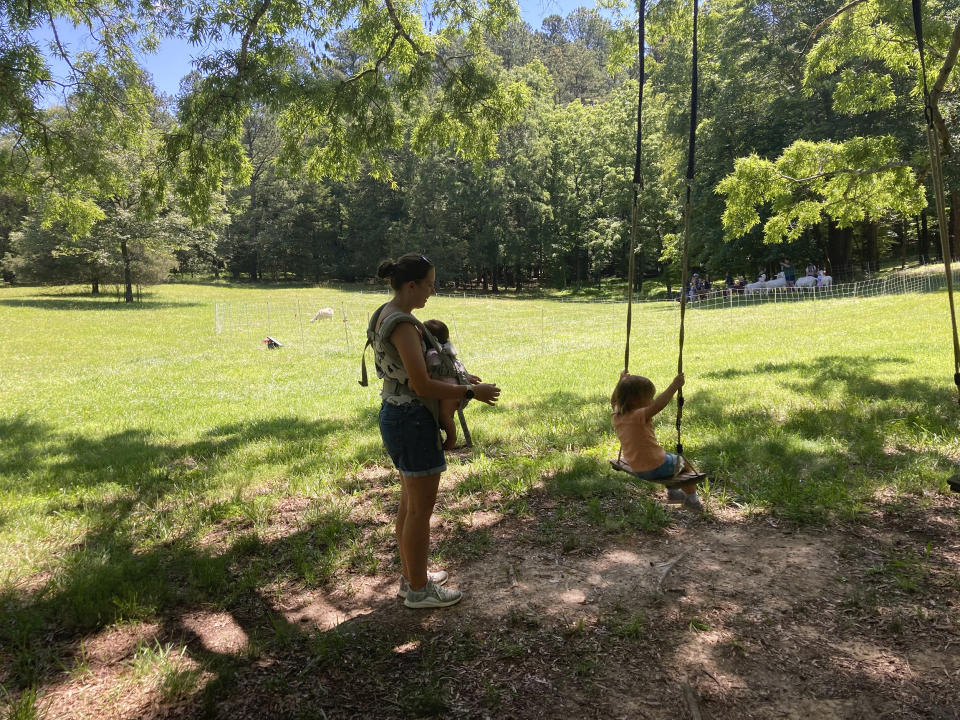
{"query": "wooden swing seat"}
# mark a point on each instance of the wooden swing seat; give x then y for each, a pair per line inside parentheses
(677, 480)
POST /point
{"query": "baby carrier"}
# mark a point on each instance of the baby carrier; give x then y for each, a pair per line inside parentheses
(448, 364)
(390, 367)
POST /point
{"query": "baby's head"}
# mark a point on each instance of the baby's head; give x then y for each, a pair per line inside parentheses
(632, 392)
(439, 330)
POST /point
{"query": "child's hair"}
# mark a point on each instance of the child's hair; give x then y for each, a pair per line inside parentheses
(630, 390)
(412, 266)
(438, 329)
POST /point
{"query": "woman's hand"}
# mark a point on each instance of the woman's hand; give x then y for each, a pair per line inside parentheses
(486, 393)
(474, 379)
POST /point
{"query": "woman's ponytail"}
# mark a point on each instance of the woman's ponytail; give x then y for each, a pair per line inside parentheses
(386, 269)
(412, 266)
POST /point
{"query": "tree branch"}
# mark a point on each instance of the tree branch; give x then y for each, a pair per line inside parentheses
(939, 84)
(376, 68)
(826, 21)
(947, 66)
(847, 171)
(245, 42)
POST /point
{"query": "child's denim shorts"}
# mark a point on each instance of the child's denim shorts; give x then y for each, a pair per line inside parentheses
(410, 435)
(666, 471)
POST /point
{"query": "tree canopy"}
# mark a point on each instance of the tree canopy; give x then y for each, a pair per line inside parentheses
(312, 139)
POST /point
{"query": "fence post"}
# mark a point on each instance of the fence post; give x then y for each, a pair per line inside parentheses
(300, 318)
(346, 334)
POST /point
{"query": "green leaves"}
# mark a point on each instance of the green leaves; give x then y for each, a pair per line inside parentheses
(844, 182)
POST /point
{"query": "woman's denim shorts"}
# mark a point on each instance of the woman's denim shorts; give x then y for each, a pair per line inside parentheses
(666, 471)
(411, 436)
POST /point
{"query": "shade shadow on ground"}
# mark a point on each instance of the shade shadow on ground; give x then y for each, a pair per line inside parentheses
(525, 646)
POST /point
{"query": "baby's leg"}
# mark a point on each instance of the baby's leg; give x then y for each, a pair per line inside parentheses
(448, 421)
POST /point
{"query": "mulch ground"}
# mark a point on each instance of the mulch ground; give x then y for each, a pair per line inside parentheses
(721, 616)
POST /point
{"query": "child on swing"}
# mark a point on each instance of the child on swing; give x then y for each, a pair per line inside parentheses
(635, 403)
(445, 366)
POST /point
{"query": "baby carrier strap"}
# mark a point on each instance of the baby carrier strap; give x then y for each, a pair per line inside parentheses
(385, 330)
(371, 333)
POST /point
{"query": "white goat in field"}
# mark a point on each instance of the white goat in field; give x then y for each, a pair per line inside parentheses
(780, 281)
(807, 281)
(759, 286)
(323, 314)
(824, 280)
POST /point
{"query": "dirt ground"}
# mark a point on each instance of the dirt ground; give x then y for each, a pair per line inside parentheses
(720, 616)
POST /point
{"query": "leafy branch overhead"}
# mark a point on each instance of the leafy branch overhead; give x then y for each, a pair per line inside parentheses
(347, 78)
(848, 182)
(347, 81)
(865, 62)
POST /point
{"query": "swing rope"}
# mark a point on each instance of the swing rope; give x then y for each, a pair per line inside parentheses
(686, 222)
(637, 187)
(637, 184)
(936, 172)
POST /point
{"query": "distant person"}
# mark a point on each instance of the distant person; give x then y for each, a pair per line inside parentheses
(445, 366)
(811, 270)
(635, 403)
(788, 272)
(408, 421)
(728, 279)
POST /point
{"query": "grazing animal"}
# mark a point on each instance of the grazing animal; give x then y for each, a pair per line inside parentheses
(824, 280)
(759, 286)
(323, 314)
(806, 281)
(779, 281)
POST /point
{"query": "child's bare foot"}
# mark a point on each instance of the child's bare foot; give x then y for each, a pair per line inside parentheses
(450, 430)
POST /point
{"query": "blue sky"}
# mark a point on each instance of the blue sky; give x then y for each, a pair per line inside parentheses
(173, 61)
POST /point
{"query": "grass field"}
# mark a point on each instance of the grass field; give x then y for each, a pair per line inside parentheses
(145, 456)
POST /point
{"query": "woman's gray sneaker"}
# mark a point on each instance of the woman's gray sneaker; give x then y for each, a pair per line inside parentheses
(432, 595)
(692, 502)
(439, 577)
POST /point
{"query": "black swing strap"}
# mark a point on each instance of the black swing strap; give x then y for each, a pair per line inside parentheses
(936, 171)
(691, 153)
(637, 181)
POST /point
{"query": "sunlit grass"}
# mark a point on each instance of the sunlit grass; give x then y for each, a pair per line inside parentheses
(145, 458)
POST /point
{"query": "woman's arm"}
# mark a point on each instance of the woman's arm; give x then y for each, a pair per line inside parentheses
(406, 340)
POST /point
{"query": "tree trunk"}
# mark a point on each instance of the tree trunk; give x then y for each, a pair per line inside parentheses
(955, 222)
(868, 247)
(902, 231)
(95, 287)
(638, 272)
(839, 244)
(127, 278)
(923, 239)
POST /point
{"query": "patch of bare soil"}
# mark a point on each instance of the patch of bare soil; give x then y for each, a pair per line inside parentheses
(717, 617)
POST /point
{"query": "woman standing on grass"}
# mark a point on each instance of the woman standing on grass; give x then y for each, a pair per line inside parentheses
(408, 422)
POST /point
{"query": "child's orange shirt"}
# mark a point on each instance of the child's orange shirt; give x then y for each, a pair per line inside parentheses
(638, 441)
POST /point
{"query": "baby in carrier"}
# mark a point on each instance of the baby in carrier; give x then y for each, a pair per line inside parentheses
(445, 366)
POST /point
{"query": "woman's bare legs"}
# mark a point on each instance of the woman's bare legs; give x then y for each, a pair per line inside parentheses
(418, 496)
(401, 519)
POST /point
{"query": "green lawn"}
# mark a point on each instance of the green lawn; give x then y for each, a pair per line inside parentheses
(144, 456)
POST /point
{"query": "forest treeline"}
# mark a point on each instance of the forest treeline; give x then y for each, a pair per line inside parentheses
(810, 146)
